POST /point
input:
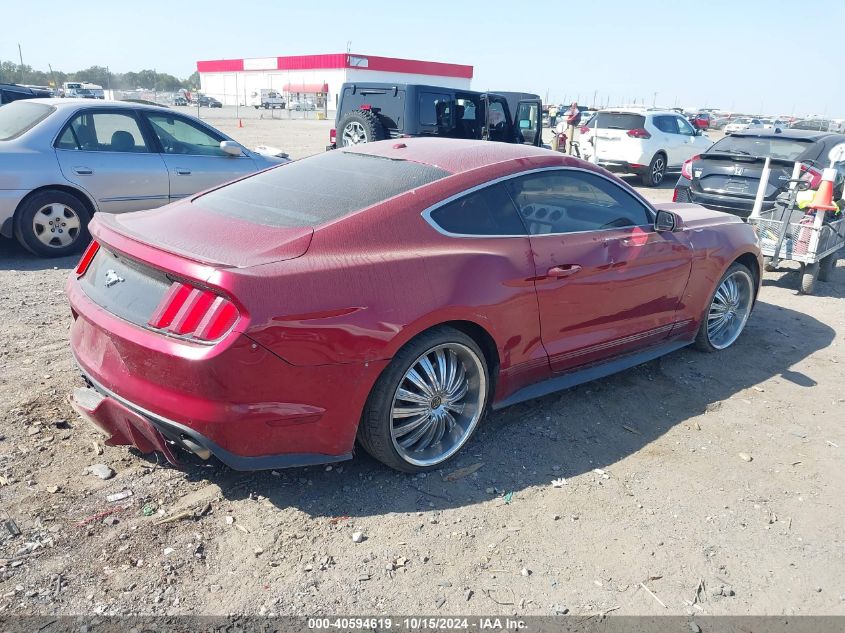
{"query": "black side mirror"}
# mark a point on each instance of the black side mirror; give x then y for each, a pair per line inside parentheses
(665, 221)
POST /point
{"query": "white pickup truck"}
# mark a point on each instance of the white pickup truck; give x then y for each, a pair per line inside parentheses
(267, 98)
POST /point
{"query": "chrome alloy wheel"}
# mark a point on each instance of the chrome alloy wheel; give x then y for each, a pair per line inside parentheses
(438, 404)
(56, 225)
(353, 134)
(730, 309)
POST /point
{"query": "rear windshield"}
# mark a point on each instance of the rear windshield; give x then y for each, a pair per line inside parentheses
(786, 148)
(19, 116)
(617, 121)
(317, 190)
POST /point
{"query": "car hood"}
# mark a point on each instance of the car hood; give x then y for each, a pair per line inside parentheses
(187, 229)
(695, 216)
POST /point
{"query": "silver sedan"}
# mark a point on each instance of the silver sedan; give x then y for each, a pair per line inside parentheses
(62, 160)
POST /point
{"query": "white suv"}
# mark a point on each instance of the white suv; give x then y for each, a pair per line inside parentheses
(641, 141)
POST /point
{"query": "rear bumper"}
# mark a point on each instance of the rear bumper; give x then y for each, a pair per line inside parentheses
(235, 398)
(9, 201)
(719, 202)
(127, 424)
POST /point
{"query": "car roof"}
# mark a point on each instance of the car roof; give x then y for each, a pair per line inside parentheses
(640, 110)
(811, 135)
(67, 103)
(451, 155)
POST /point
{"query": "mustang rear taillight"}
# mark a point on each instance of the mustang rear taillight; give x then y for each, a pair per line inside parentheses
(639, 132)
(686, 168)
(194, 313)
(87, 258)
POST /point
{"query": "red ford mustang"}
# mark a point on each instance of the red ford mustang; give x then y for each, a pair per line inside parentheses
(391, 293)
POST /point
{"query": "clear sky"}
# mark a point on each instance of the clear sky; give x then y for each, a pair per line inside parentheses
(776, 56)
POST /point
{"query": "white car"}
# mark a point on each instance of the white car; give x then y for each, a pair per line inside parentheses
(741, 124)
(641, 141)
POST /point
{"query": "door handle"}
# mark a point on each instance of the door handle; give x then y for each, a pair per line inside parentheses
(563, 271)
(83, 171)
(183, 172)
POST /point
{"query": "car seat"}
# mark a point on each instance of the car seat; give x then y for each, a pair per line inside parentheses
(122, 141)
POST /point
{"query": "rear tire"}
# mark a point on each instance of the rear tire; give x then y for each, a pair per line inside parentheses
(427, 403)
(656, 171)
(52, 223)
(827, 265)
(728, 310)
(359, 126)
(808, 278)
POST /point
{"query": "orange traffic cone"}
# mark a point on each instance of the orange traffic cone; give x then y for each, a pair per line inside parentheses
(824, 196)
(240, 123)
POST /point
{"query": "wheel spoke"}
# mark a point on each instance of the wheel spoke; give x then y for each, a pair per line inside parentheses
(410, 396)
(415, 378)
(440, 357)
(418, 432)
(440, 430)
(428, 368)
(407, 412)
(404, 429)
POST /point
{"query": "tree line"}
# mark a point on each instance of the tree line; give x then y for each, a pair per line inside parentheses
(10, 72)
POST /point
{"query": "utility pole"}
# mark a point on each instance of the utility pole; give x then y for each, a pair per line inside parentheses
(20, 56)
(654, 100)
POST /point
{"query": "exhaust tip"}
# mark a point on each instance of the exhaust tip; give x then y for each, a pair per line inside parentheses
(200, 451)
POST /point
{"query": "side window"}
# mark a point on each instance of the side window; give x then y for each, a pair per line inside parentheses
(103, 132)
(180, 136)
(569, 201)
(684, 127)
(666, 124)
(434, 109)
(488, 211)
(527, 117)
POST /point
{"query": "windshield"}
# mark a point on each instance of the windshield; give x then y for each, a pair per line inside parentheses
(783, 148)
(19, 116)
(317, 190)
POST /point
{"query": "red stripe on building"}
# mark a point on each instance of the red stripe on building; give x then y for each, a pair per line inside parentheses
(220, 65)
(341, 60)
(392, 64)
(312, 62)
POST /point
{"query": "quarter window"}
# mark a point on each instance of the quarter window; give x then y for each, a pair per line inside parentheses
(488, 211)
(103, 132)
(569, 201)
(180, 136)
(434, 109)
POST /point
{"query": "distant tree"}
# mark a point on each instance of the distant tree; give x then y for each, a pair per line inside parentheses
(99, 75)
(192, 82)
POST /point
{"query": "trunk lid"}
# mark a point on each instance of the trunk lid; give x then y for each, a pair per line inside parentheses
(739, 175)
(188, 230)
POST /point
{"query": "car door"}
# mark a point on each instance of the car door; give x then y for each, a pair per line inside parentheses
(528, 128)
(193, 155)
(606, 282)
(104, 152)
(690, 142)
(669, 138)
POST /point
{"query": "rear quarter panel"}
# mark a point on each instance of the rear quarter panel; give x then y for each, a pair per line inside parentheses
(373, 281)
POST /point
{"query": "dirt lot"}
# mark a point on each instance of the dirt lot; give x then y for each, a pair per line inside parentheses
(714, 472)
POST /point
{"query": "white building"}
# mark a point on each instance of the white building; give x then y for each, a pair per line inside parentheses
(318, 77)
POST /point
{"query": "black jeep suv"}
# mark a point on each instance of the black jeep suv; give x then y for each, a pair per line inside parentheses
(14, 92)
(374, 112)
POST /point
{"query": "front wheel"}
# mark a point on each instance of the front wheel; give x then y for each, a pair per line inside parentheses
(656, 171)
(728, 311)
(427, 403)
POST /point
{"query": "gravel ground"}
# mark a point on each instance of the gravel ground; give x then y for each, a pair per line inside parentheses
(714, 480)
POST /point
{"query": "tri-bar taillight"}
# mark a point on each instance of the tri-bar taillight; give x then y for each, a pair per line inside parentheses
(194, 313)
(87, 258)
